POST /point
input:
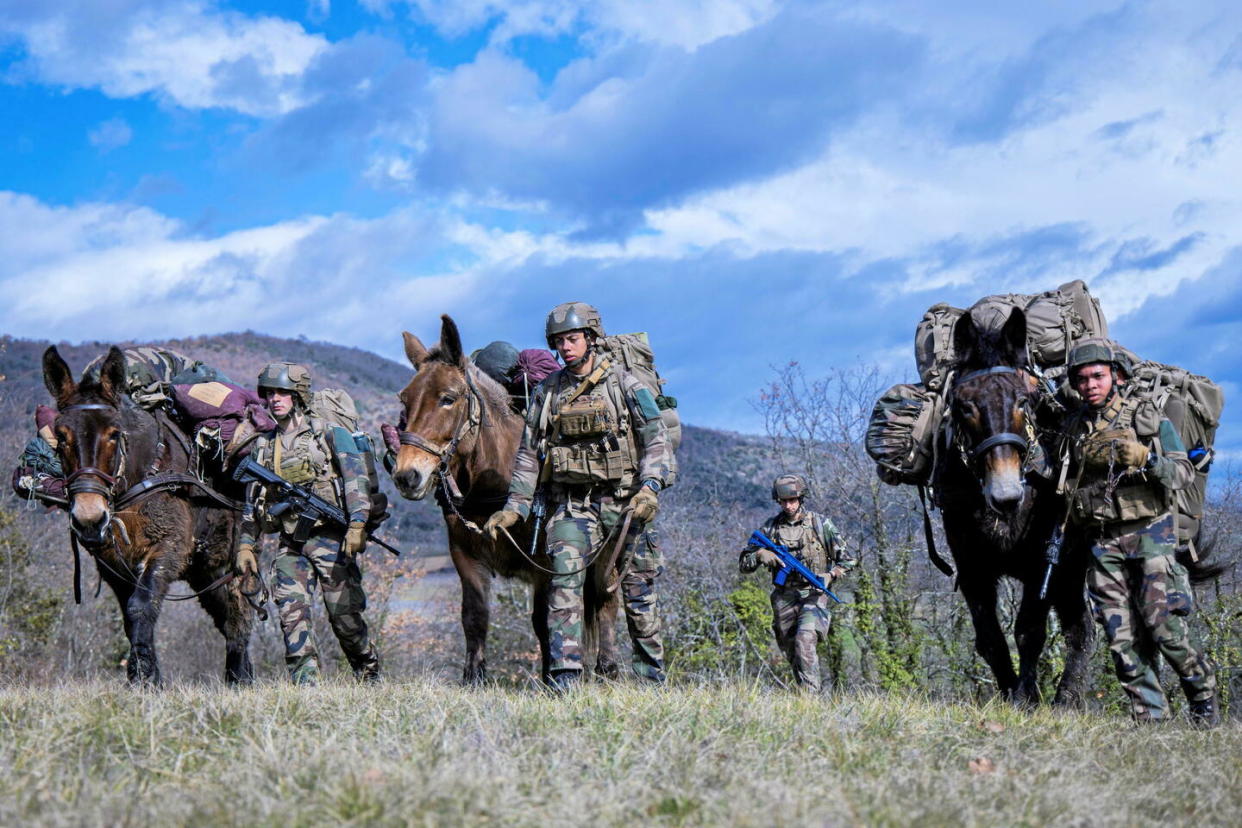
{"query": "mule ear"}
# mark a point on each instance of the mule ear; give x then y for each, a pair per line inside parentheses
(450, 341)
(112, 375)
(963, 338)
(1013, 336)
(414, 350)
(57, 376)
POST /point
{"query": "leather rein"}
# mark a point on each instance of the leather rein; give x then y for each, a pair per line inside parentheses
(93, 480)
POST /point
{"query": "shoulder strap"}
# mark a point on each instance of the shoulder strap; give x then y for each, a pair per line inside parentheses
(589, 381)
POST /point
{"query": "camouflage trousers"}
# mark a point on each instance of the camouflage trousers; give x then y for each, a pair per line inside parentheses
(800, 621)
(1142, 597)
(577, 531)
(297, 569)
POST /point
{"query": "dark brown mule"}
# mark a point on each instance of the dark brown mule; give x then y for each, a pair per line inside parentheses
(458, 440)
(999, 514)
(134, 505)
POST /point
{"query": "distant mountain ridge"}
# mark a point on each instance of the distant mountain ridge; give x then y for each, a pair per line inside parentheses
(719, 468)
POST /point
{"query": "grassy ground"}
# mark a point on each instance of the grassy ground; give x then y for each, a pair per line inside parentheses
(426, 753)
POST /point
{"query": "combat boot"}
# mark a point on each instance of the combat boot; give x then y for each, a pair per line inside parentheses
(367, 668)
(565, 681)
(1204, 713)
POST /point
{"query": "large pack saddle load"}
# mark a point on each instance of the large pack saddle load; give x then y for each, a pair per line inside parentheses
(1056, 320)
(633, 353)
(904, 425)
(901, 435)
(220, 415)
(1153, 387)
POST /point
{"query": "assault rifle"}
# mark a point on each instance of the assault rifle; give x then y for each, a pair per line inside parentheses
(538, 511)
(790, 565)
(309, 507)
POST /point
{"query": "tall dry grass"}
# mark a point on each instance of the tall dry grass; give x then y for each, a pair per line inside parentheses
(424, 752)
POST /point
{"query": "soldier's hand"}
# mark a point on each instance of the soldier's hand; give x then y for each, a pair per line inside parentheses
(768, 558)
(1098, 453)
(834, 573)
(501, 520)
(1132, 454)
(355, 538)
(246, 563)
(645, 504)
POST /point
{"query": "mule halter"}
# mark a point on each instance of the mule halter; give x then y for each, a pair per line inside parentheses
(92, 479)
(1005, 438)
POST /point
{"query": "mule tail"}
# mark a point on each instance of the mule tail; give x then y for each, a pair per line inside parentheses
(1195, 558)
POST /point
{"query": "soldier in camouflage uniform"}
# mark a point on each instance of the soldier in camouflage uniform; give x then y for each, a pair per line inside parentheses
(324, 458)
(596, 446)
(1125, 470)
(800, 615)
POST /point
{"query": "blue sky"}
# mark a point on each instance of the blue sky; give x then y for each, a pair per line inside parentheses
(750, 181)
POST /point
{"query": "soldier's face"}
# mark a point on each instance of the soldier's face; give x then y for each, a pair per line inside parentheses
(280, 403)
(1093, 383)
(571, 345)
(791, 505)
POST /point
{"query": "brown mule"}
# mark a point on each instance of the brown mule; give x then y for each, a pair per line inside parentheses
(458, 441)
(1000, 513)
(135, 505)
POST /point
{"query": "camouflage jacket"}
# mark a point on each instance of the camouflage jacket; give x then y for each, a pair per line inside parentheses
(810, 536)
(606, 437)
(315, 455)
(1112, 495)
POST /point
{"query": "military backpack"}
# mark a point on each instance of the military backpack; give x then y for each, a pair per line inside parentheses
(334, 409)
(633, 353)
(901, 434)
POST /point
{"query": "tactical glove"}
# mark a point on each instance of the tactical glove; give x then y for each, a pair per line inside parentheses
(501, 520)
(1132, 454)
(645, 504)
(246, 563)
(768, 558)
(355, 538)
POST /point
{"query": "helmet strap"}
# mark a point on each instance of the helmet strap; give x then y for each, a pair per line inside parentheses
(575, 363)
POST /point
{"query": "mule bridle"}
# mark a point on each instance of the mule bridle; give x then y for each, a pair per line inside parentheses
(92, 479)
(1021, 442)
(448, 493)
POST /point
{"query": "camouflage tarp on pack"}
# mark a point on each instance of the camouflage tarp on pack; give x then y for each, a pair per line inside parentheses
(1055, 321)
(151, 372)
(902, 432)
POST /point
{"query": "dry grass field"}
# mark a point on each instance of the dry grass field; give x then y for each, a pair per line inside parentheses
(424, 752)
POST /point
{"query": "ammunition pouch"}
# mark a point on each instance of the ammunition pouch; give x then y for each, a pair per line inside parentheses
(585, 417)
(298, 471)
(591, 463)
(1129, 502)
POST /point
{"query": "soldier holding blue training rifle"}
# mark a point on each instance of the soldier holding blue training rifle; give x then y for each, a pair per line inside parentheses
(806, 554)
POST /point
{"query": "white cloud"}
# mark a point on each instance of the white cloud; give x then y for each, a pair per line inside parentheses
(189, 53)
(684, 23)
(111, 134)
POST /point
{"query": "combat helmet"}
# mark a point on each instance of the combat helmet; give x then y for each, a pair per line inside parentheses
(787, 486)
(1095, 351)
(287, 376)
(572, 316)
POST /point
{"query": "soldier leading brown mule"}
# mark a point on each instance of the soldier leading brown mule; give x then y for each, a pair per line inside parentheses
(999, 515)
(134, 504)
(458, 440)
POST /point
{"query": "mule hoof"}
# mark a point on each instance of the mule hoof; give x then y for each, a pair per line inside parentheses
(474, 676)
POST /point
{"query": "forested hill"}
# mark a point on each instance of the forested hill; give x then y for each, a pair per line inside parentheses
(717, 468)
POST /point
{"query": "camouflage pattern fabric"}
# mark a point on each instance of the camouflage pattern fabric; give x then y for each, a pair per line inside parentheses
(576, 532)
(296, 570)
(636, 425)
(800, 621)
(317, 459)
(800, 615)
(1142, 597)
(644, 563)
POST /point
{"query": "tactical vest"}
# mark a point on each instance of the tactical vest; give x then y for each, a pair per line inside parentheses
(306, 462)
(588, 437)
(1131, 496)
(805, 539)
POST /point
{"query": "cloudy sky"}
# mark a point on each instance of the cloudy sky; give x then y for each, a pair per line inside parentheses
(750, 181)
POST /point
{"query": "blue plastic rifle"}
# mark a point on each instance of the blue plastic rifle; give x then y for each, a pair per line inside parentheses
(790, 564)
